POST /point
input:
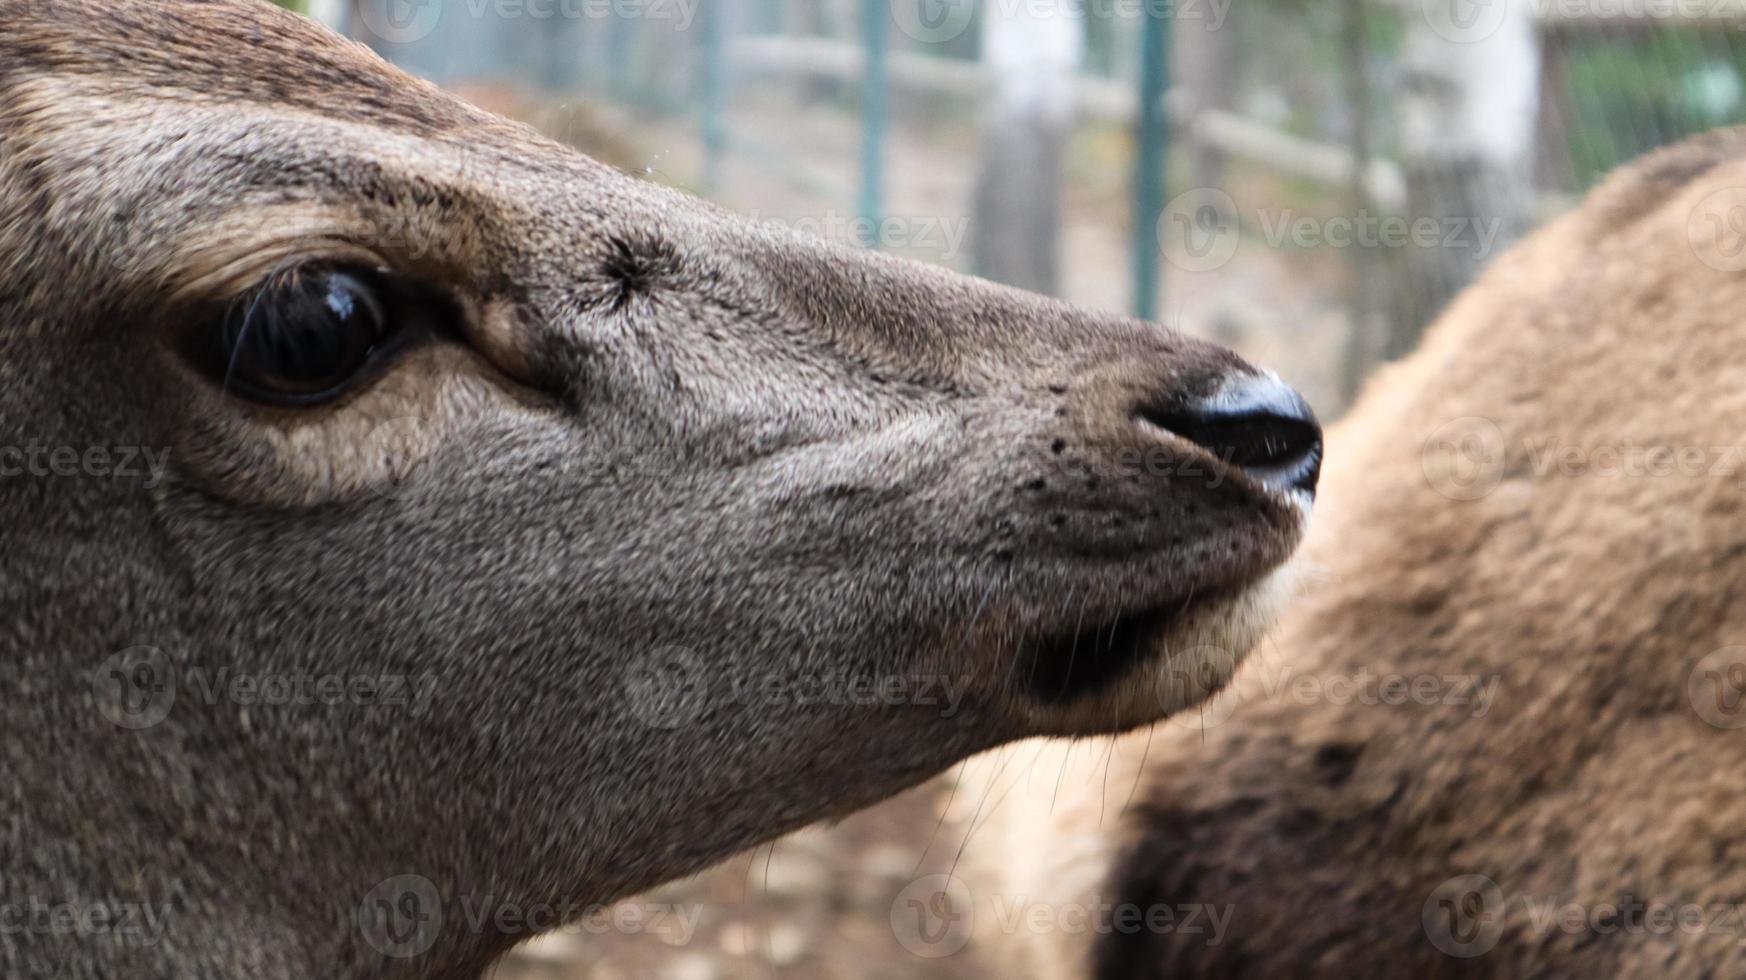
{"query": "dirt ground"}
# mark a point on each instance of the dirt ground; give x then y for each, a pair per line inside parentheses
(817, 904)
(820, 904)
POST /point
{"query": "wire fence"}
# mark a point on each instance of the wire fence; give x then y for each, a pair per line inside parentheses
(1310, 182)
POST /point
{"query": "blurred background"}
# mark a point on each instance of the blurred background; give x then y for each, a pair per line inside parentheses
(1308, 182)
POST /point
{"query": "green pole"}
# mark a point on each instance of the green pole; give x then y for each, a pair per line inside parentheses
(1150, 173)
(715, 136)
(875, 30)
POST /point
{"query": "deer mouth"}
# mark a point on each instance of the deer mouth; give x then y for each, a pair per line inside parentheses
(1139, 666)
(1069, 667)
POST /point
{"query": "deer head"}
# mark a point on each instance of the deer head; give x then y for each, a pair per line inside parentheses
(397, 500)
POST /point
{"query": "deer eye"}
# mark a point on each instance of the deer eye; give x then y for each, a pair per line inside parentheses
(306, 336)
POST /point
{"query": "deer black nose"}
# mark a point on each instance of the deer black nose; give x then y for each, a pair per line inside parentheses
(1258, 424)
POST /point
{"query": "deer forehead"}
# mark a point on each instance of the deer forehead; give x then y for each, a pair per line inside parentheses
(184, 194)
(226, 54)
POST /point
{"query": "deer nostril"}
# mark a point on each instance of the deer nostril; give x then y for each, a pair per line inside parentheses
(1259, 425)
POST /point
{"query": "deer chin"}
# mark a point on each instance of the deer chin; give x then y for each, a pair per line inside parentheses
(1150, 664)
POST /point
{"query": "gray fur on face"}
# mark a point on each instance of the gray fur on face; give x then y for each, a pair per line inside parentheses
(650, 562)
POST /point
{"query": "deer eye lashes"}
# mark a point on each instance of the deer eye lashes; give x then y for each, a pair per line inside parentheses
(311, 335)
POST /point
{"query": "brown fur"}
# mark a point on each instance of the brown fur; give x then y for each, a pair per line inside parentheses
(1327, 829)
(657, 435)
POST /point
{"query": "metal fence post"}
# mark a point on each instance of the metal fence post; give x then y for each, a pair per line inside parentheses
(714, 95)
(875, 31)
(1150, 171)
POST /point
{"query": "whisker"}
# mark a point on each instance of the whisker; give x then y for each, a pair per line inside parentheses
(941, 822)
(1146, 754)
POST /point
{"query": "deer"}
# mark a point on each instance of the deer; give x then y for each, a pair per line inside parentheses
(1498, 731)
(416, 531)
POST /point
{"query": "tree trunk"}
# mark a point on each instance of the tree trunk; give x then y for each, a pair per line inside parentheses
(1470, 95)
(1363, 344)
(1207, 59)
(1033, 54)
